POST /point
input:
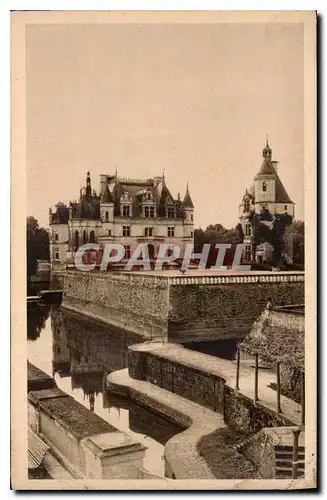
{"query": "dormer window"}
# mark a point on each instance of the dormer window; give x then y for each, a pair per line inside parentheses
(285, 208)
(149, 212)
(149, 196)
(264, 186)
(171, 212)
(126, 211)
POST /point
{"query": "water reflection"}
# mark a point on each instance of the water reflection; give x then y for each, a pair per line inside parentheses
(79, 354)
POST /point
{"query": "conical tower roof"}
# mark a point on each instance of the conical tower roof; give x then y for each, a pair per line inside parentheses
(187, 202)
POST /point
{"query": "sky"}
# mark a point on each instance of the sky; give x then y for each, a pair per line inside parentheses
(193, 100)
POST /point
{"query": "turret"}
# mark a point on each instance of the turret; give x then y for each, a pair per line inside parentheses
(188, 207)
(50, 216)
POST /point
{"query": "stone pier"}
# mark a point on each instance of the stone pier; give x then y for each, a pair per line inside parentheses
(81, 444)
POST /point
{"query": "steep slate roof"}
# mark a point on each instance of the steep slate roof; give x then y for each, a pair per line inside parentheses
(267, 169)
(106, 196)
(61, 215)
(88, 206)
(187, 202)
(281, 193)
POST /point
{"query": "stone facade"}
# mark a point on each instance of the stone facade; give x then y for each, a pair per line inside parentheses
(126, 211)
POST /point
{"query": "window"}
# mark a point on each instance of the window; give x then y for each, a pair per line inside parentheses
(248, 229)
(109, 232)
(247, 205)
(171, 231)
(247, 255)
(57, 256)
(192, 217)
(126, 212)
(264, 186)
(56, 237)
(107, 216)
(76, 239)
(92, 237)
(192, 234)
(170, 212)
(126, 231)
(149, 212)
(148, 231)
(149, 196)
(285, 208)
(84, 237)
(127, 252)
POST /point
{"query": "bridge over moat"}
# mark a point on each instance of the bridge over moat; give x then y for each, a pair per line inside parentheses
(176, 307)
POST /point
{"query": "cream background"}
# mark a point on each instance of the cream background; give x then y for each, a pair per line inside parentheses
(193, 99)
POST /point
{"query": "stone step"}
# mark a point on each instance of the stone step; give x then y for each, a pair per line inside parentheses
(288, 463)
(286, 472)
(288, 455)
(286, 447)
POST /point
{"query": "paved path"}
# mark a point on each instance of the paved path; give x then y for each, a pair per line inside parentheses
(206, 449)
(226, 369)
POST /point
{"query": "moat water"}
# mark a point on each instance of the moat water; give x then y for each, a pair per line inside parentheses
(79, 354)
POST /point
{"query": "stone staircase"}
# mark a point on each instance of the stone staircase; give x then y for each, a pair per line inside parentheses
(271, 450)
(284, 461)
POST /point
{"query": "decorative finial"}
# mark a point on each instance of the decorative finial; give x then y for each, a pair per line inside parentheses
(186, 185)
(116, 173)
(163, 174)
(267, 140)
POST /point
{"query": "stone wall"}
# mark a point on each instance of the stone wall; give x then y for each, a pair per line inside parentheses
(180, 308)
(224, 311)
(137, 303)
(199, 384)
(243, 415)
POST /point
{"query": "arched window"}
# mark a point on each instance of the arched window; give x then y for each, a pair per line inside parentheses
(84, 237)
(264, 186)
(76, 239)
(92, 237)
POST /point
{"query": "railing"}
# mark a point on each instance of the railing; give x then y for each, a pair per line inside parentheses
(250, 278)
(278, 384)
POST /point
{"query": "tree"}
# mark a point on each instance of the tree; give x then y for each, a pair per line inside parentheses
(215, 234)
(37, 245)
(271, 229)
(298, 242)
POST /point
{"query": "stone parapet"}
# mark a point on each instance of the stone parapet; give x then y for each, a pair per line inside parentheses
(85, 444)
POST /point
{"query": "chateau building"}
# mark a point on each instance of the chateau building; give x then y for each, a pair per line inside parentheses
(126, 211)
(268, 198)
